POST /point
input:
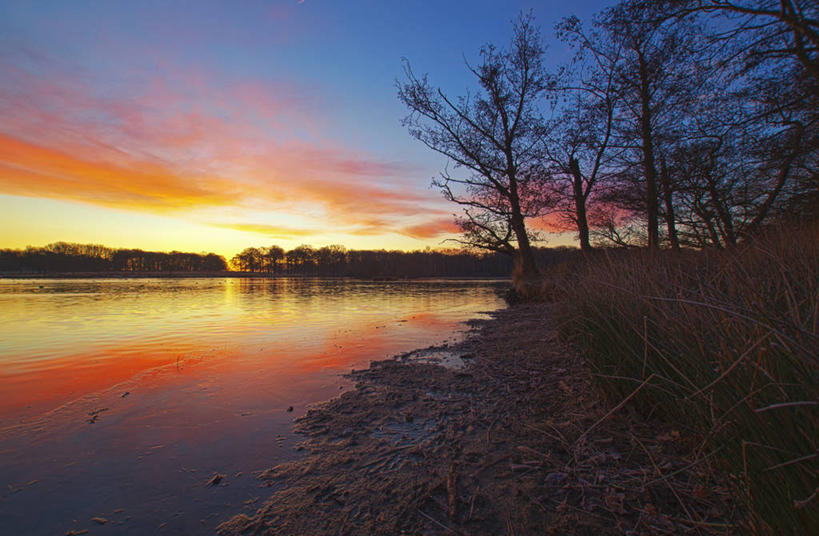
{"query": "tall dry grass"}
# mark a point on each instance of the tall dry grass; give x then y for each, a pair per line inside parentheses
(730, 340)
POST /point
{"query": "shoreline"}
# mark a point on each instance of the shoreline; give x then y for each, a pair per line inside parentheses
(518, 441)
(230, 275)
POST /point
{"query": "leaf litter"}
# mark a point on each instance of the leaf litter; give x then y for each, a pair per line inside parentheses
(516, 441)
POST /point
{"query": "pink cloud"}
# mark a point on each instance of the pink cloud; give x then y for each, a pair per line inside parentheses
(187, 144)
(432, 229)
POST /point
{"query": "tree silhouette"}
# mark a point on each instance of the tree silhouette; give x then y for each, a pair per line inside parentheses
(579, 142)
(66, 257)
(770, 52)
(273, 256)
(492, 138)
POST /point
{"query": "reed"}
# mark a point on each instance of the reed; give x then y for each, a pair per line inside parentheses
(729, 344)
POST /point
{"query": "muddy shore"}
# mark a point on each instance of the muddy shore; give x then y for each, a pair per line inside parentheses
(511, 439)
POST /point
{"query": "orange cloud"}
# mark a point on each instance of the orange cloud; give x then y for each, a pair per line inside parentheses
(555, 222)
(432, 229)
(30, 170)
(184, 145)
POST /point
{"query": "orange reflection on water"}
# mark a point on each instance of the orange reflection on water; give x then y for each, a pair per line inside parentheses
(216, 370)
(61, 380)
(64, 339)
(50, 383)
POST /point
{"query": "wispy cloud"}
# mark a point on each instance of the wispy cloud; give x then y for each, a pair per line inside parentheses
(270, 231)
(432, 229)
(30, 170)
(191, 143)
(553, 223)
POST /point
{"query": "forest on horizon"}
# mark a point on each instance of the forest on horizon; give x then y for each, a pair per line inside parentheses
(304, 260)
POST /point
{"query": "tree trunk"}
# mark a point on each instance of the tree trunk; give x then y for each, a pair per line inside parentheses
(726, 225)
(782, 177)
(650, 169)
(709, 225)
(669, 207)
(525, 257)
(580, 205)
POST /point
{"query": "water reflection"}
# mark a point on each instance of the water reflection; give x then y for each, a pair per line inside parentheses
(61, 338)
(187, 377)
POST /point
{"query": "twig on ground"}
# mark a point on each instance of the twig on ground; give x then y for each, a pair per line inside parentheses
(615, 408)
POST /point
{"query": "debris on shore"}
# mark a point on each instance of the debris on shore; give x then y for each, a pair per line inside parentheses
(216, 479)
(516, 441)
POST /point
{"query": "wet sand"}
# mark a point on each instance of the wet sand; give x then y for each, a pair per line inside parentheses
(514, 441)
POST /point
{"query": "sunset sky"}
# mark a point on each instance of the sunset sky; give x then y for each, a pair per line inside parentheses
(213, 126)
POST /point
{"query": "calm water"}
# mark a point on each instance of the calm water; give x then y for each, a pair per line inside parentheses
(120, 399)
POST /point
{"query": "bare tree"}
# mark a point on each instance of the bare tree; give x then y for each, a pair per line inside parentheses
(579, 143)
(248, 260)
(688, 123)
(331, 259)
(648, 87)
(762, 157)
(779, 27)
(648, 79)
(492, 138)
(301, 259)
(273, 256)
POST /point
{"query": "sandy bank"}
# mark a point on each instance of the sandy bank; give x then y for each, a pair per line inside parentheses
(517, 442)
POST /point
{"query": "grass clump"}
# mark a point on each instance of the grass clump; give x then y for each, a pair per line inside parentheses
(729, 343)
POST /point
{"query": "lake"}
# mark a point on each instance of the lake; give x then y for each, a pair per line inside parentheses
(121, 398)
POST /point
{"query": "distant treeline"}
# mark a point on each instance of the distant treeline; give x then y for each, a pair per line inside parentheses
(336, 261)
(64, 257)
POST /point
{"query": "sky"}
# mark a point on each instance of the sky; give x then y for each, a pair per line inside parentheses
(215, 126)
